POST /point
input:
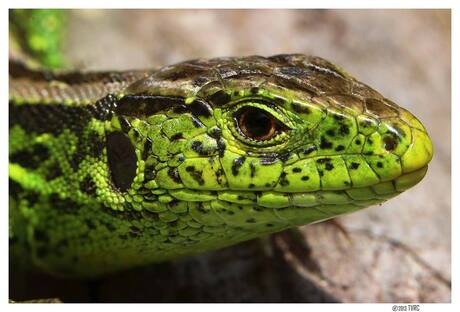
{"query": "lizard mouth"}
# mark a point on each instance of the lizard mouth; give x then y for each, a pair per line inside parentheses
(278, 210)
(359, 197)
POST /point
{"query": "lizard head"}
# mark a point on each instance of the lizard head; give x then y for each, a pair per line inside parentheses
(229, 149)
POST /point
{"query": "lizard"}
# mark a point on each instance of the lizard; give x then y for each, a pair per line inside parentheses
(112, 170)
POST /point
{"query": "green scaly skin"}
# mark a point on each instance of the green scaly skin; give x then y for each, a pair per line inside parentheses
(114, 170)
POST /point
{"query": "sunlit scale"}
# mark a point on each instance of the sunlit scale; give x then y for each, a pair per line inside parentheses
(246, 147)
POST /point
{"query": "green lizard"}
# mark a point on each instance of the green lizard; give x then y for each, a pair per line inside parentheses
(119, 169)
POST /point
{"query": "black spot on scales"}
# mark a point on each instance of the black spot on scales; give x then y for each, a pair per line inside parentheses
(354, 166)
(283, 181)
(236, 165)
(324, 143)
(180, 109)
(215, 133)
(177, 136)
(309, 150)
(95, 145)
(31, 158)
(296, 170)
(149, 172)
(221, 147)
(379, 164)
(197, 175)
(89, 143)
(299, 108)
(201, 208)
(147, 148)
(122, 160)
(344, 130)
(125, 124)
(88, 186)
(197, 123)
(173, 173)
(197, 146)
(219, 172)
(200, 108)
(390, 143)
(339, 148)
(365, 123)
(284, 156)
(337, 117)
(305, 178)
(219, 98)
(279, 100)
(252, 168)
(323, 160)
(254, 90)
(329, 166)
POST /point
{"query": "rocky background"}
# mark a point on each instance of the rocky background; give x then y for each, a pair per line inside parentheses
(396, 252)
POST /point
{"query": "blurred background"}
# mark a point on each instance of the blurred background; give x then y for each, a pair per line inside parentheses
(398, 252)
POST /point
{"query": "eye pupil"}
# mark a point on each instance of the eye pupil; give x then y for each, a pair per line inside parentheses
(256, 123)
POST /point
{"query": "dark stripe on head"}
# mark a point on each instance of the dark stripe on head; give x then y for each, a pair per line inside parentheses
(146, 105)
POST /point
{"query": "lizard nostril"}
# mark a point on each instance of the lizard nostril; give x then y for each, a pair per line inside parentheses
(389, 143)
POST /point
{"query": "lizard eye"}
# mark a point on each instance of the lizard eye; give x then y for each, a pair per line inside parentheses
(257, 124)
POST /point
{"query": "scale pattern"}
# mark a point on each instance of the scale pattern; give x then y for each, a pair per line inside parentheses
(114, 170)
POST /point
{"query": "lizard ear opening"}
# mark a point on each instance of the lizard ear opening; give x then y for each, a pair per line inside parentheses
(122, 160)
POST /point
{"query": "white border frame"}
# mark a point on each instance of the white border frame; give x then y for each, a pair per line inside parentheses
(113, 4)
